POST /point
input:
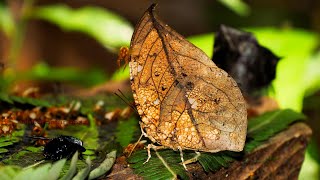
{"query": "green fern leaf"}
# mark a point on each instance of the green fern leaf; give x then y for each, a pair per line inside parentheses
(260, 129)
(163, 164)
(125, 131)
(6, 141)
(265, 126)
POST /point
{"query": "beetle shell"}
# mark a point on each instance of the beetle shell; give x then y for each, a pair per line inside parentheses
(62, 147)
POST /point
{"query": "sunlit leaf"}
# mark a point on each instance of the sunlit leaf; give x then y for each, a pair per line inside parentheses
(237, 6)
(73, 167)
(312, 75)
(104, 167)
(8, 172)
(6, 19)
(42, 71)
(83, 173)
(205, 42)
(109, 29)
(294, 46)
(56, 168)
(122, 73)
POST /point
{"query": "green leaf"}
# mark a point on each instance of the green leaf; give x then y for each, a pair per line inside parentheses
(122, 73)
(237, 6)
(73, 167)
(83, 173)
(163, 164)
(10, 140)
(125, 131)
(290, 84)
(6, 20)
(263, 127)
(3, 150)
(204, 41)
(56, 169)
(11, 99)
(292, 71)
(106, 27)
(260, 129)
(312, 75)
(213, 162)
(44, 72)
(104, 167)
(9, 172)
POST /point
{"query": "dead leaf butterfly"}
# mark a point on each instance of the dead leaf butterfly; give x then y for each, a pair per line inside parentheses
(185, 101)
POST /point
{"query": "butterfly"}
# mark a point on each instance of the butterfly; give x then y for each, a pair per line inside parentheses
(184, 100)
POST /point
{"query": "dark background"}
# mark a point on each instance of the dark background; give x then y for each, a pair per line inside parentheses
(45, 41)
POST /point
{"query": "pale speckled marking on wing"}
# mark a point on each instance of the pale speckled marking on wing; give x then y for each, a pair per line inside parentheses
(184, 100)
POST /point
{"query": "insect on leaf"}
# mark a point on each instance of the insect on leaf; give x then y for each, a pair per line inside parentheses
(184, 100)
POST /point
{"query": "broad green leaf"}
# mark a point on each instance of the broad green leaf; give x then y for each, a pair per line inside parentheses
(125, 131)
(294, 46)
(106, 27)
(104, 167)
(43, 71)
(83, 173)
(204, 41)
(73, 167)
(237, 6)
(312, 75)
(122, 73)
(33, 173)
(55, 170)
(9, 172)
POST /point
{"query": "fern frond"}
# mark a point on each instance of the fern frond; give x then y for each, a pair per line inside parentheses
(164, 164)
(260, 129)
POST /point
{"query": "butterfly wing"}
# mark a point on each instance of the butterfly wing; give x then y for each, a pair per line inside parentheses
(184, 100)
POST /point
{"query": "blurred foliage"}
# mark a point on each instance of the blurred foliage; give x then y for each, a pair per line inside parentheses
(55, 170)
(106, 27)
(237, 6)
(6, 20)
(289, 86)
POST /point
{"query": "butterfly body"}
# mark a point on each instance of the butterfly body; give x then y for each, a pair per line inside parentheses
(185, 101)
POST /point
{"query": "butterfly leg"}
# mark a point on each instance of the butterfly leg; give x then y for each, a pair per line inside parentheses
(182, 159)
(192, 160)
(155, 148)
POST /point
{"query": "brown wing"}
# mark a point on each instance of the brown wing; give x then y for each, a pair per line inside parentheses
(183, 98)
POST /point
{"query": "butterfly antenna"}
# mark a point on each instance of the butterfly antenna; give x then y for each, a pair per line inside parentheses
(125, 100)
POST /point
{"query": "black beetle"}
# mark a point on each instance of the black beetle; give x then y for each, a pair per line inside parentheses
(62, 147)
